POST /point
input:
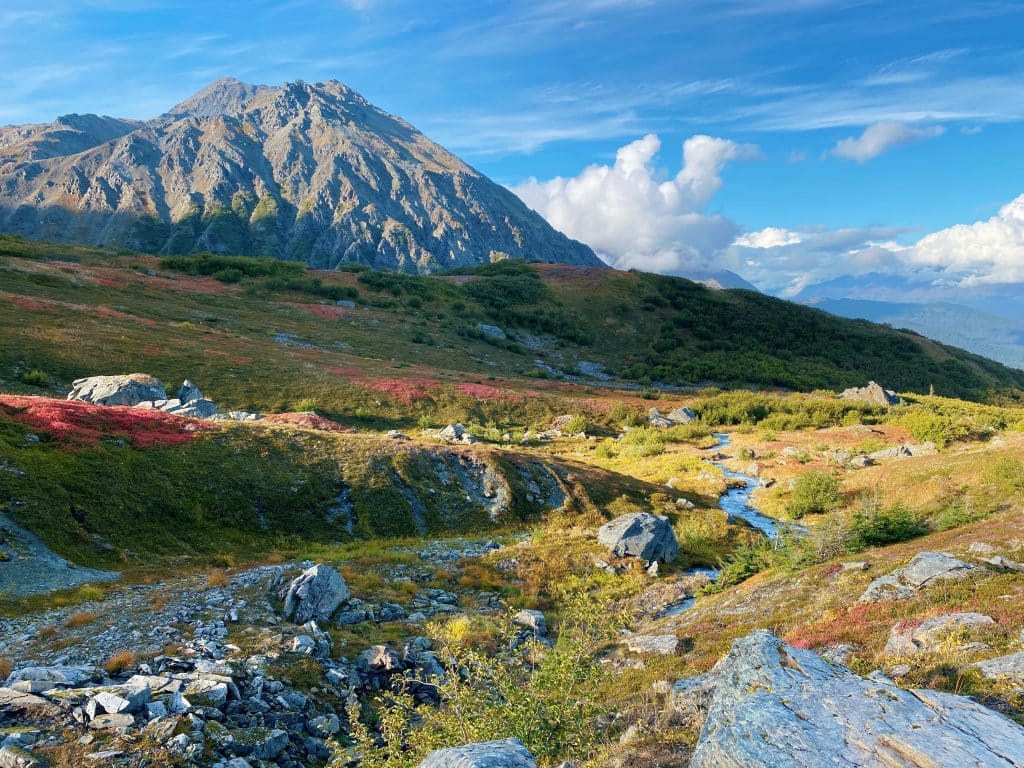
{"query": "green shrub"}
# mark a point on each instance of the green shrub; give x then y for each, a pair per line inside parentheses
(305, 405)
(1007, 474)
(643, 441)
(576, 425)
(230, 275)
(814, 493)
(877, 526)
(36, 378)
(547, 698)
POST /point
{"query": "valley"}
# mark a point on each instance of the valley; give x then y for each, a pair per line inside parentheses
(367, 526)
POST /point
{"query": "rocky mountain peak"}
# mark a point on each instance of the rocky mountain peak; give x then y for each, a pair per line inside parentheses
(302, 171)
(220, 97)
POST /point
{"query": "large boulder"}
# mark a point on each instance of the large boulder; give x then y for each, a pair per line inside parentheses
(649, 537)
(925, 569)
(506, 753)
(873, 394)
(910, 639)
(774, 706)
(456, 433)
(131, 389)
(315, 595)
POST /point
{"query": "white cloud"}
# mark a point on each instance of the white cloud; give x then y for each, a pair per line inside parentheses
(986, 252)
(881, 137)
(769, 237)
(634, 216)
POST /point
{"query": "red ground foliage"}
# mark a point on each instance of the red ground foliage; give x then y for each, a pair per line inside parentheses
(485, 392)
(405, 391)
(305, 420)
(76, 423)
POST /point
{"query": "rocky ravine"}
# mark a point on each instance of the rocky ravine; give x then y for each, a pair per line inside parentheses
(310, 172)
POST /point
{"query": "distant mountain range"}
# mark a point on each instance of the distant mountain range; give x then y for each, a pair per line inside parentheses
(994, 336)
(309, 172)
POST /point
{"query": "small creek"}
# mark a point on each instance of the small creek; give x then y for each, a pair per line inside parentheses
(736, 503)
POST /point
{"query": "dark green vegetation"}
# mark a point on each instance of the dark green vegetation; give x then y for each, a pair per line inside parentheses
(69, 312)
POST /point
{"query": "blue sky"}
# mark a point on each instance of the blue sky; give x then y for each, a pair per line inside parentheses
(545, 89)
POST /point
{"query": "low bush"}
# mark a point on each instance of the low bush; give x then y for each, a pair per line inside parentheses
(877, 526)
(36, 378)
(814, 493)
(119, 662)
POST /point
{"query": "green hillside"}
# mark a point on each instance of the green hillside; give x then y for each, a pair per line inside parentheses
(263, 334)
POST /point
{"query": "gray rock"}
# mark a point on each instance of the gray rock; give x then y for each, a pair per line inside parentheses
(315, 595)
(1009, 667)
(649, 537)
(324, 726)
(924, 569)
(681, 415)
(16, 757)
(456, 433)
(491, 331)
(664, 645)
(775, 706)
(506, 753)
(873, 394)
(929, 635)
(56, 676)
(532, 620)
(129, 389)
(1004, 565)
(189, 392)
(197, 409)
(111, 722)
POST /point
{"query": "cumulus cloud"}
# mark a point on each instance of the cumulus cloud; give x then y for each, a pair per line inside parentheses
(986, 252)
(769, 237)
(634, 216)
(881, 137)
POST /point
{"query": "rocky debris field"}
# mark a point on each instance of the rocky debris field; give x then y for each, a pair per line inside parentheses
(223, 656)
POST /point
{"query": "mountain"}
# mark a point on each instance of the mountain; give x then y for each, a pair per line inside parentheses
(996, 337)
(307, 172)
(720, 279)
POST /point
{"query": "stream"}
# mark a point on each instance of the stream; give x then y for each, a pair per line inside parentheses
(736, 503)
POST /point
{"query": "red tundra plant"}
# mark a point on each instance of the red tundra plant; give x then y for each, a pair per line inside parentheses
(83, 424)
(485, 392)
(405, 391)
(304, 420)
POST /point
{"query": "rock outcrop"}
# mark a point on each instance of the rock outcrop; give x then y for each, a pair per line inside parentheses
(924, 569)
(315, 595)
(769, 705)
(675, 417)
(649, 537)
(932, 634)
(505, 753)
(304, 171)
(129, 389)
(873, 394)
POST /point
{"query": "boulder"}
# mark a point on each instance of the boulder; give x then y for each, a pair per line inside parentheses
(16, 757)
(1009, 667)
(532, 620)
(197, 409)
(657, 419)
(873, 394)
(923, 570)
(929, 636)
(189, 392)
(775, 706)
(505, 753)
(456, 433)
(131, 389)
(315, 595)
(55, 676)
(681, 415)
(649, 537)
(491, 331)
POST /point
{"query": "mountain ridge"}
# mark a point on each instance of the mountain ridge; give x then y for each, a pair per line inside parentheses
(307, 172)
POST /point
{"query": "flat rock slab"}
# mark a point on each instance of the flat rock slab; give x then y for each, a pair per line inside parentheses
(776, 706)
(664, 645)
(505, 753)
(1010, 667)
(924, 569)
(931, 634)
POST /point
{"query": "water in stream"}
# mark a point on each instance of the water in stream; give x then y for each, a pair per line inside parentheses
(736, 503)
